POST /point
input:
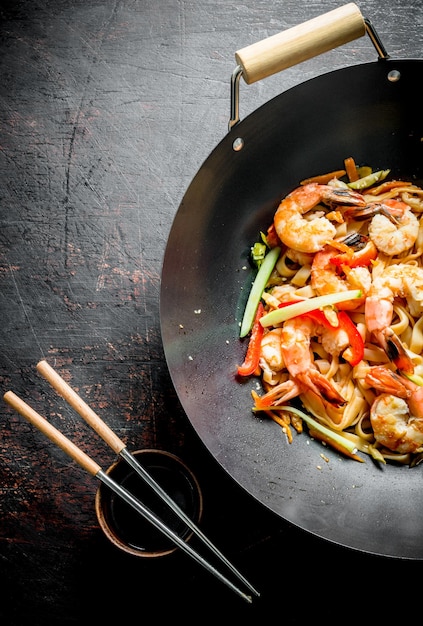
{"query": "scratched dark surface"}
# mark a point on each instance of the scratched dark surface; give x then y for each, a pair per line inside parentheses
(107, 110)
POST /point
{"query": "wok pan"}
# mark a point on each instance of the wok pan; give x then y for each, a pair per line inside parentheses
(368, 111)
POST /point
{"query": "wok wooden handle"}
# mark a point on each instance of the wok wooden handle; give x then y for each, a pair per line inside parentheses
(52, 433)
(63, 389)
(301, 42)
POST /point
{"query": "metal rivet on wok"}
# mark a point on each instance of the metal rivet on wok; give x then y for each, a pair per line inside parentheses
(238, 144)
(394, 76)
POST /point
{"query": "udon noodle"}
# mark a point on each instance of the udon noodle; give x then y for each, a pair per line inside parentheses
(356, 366)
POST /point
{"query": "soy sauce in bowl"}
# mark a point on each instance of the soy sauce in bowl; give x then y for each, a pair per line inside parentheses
(128, 529)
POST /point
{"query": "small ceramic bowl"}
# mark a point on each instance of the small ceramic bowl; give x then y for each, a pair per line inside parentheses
(129, 530)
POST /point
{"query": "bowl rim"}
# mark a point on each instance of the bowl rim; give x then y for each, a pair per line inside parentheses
(110, 533)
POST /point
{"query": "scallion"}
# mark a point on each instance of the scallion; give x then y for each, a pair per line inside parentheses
(298, 308)
(257, 289)
(339, 439)
(258, 252)
(368, 181)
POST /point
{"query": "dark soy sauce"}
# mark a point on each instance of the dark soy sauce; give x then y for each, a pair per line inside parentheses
(132, 528)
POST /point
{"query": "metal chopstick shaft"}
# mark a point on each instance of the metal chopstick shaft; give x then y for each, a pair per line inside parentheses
(141, 471)
(70, 395)
(168, 532)
(95, 470)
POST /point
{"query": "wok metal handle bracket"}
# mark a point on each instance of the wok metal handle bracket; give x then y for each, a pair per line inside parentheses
(298, 44)
(376, 41)
(235, 78)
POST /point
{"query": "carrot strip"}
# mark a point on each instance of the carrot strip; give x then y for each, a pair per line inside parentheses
(282, 423)
(351, 169)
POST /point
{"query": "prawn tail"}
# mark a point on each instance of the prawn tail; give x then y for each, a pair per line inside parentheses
(318, 383)
(386, 381)
(279, 394)
(395, 350)
(339, 195)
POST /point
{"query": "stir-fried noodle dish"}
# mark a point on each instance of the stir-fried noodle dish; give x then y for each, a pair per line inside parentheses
(333, 324)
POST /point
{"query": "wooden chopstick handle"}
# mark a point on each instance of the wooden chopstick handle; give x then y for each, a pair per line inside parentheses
(52, 433)
(80, 406)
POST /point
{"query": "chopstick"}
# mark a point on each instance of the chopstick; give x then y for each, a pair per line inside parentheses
(120, 448)
(95, 470)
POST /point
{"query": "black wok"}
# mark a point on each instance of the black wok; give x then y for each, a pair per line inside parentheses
(371, 112)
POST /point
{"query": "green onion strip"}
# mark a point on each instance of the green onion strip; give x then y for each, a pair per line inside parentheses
(310, 304)
(342, 441)
(259, 284)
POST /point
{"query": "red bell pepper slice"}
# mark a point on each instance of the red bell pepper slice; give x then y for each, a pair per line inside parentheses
(356, 340)
(284, 304)
(346, 324)
(252, 356)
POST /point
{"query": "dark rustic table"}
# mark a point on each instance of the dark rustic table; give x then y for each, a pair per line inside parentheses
(107, 110)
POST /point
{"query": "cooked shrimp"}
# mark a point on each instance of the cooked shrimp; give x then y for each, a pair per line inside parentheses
(385, 380)
(271, 358)
(397, 416)
(358, 250)
(390, 238)
(395, 426)
(310, 235)
(280, 393)
(296, 338)
(325, 278)
(400, 280)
